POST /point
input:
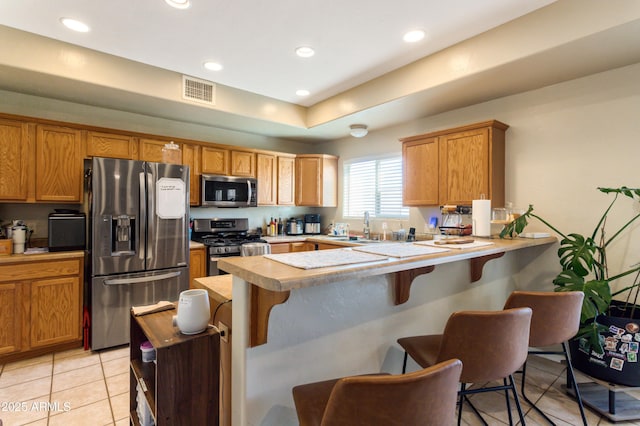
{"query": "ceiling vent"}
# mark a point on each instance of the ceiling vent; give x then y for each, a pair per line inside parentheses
(202, 91)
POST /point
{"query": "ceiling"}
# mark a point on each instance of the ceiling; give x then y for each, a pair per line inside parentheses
(358, 45)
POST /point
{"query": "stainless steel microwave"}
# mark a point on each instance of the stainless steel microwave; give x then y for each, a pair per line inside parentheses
(229, 191)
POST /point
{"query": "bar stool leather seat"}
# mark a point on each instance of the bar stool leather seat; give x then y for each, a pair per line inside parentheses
(492, 345)
(555, 320)
(423, 398)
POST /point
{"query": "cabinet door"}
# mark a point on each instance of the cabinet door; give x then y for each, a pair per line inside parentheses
(13, 160)
(55, 311)
(111, 145)
(302, 246)
(191, 158)
(197, 264)
(308, 183)
(151, 150)
(267, 179)
(243, 164)
(279, 248)
(420, 172)
(215, 160)
(286, 181)
(464, 166)
(325, 246)
(11, 326)
(59, 164)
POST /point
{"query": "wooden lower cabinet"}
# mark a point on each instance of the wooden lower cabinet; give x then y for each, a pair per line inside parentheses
(182, 386)
(292, 247)
(11, 323)
(42, 306)
(197, 264)
(325, 246)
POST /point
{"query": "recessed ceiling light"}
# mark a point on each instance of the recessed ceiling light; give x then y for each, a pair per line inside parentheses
(75, 25)
(178, 4)
(302, 92)
(305, 51)
(413, 36)
(213, 66)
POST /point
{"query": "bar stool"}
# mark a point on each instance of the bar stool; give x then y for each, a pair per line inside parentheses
(492, 345)
(422, 398)
(556, 319)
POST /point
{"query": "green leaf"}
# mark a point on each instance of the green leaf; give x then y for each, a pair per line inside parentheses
(577, 253)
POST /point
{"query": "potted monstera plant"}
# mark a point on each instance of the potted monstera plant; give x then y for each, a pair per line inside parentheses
(606, 347)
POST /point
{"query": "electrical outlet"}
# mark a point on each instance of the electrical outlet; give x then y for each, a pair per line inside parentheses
(224, 331)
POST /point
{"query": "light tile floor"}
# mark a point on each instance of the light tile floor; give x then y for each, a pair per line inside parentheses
(80, 387)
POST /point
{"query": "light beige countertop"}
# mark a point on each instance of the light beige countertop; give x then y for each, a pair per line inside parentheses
(39, 257)
(195, 245)
(219, 287)
(275, 276)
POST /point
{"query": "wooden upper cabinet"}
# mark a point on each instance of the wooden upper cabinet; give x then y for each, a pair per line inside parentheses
(59, 164)
(317, 180)
(215, 160)
(191, 158)
(420, 172)
(111, 145)
(286, 181)
(267, 175)
(243, 163)
(151, 150)
(14, 160)
(470, 165)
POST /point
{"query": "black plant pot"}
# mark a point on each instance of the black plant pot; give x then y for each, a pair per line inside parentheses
(619, 364)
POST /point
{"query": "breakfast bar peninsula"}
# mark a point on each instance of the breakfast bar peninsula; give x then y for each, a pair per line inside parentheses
(310, 316)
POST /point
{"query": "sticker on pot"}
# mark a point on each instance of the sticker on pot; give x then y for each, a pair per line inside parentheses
(610, 344)
(632, 357)
(626, 338)
(616, 330)
(633, 347)
(616, 364)
(632, 327)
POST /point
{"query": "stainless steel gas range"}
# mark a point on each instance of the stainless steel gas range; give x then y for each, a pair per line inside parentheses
(223, 238)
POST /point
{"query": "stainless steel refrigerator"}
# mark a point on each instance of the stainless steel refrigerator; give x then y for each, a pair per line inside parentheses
(139, 241)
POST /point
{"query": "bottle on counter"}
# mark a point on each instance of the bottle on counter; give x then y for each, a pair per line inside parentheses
(280, 227)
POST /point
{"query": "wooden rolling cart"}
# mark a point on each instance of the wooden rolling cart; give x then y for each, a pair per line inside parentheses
(182, 386)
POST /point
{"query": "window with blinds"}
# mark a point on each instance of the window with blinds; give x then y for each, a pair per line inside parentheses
(374, 186)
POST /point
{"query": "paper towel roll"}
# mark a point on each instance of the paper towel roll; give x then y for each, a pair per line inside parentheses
(481, 218)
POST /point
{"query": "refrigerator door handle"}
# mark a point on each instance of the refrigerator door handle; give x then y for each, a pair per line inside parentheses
(121, 281)
(143, 214)
(249, 192)
(151, 229)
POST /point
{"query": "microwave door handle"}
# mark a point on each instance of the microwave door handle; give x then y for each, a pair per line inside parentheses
(121, 281)
(249, 192)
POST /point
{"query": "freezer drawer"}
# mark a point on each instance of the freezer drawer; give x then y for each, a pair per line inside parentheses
(113, 296)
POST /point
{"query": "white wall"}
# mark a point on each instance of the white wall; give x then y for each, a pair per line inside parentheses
(564, 141)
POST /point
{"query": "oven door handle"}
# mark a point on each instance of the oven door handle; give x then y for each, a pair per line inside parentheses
(121, 281)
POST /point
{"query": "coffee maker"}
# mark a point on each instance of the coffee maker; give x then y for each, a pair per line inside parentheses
(312, 224)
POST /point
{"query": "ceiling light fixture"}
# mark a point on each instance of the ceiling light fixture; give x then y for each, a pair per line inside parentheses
(178, 4)
(212, 66)
(413, 36)
(302, 92)
(358, 130)
(305, 51)
(75, 25)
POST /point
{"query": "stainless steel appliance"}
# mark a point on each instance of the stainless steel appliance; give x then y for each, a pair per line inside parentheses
(139, 241)
(295, 226)
(223, 238)
(311, 223)
(67, 231)
(229, 191)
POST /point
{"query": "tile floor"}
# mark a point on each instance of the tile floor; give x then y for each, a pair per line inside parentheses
(80, 387)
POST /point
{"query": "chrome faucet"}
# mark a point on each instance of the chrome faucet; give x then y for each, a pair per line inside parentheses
(366, 231)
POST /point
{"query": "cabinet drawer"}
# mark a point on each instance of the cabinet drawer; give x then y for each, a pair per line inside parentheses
(29, 271)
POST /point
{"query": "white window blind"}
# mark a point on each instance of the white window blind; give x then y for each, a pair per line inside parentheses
(374, 186)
